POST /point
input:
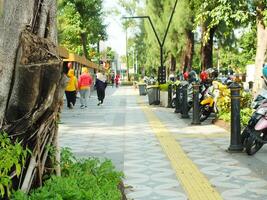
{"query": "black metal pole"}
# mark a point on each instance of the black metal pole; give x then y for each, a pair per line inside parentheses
(161, 44)
(98, 51)
(127, 56)
(250, 85)
(169, 23)
(235, 141)
(161, 69)
(196, 109)
(161, 56)
(169, 95)
(184, 113)
(178, 99)
(154, 30)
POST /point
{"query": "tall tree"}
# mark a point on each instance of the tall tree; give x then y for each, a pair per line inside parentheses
(82, 24)
(215, 16)
(130, 8)
(261, 23)
(242, 11)
(183, 28)
(32, 81)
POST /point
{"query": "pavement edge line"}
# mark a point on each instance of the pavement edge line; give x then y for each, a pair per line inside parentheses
(196, 185)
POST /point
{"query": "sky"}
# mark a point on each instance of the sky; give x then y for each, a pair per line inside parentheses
(116, 35)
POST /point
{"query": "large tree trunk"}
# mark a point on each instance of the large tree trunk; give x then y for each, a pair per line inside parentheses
(173, 63)
(32, 80)
(84, 44)
(187, 56)
(261, 49)
(207, 48)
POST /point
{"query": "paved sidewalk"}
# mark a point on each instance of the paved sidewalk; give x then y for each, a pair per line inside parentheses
(151, 145)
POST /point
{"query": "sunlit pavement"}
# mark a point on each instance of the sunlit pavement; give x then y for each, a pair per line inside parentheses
(162, 156)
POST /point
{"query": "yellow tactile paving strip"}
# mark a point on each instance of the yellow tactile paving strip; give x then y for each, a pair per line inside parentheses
(194, 182)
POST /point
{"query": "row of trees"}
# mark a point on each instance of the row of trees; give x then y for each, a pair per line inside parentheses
(203, 34)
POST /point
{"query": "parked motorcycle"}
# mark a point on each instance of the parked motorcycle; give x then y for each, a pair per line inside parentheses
(208, 104)
(254, 135)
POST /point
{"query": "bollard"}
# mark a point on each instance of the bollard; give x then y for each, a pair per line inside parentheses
(169, 95)
(178, 99)
(196, 109)
(235, 141)
(250, 85)
(184, 113)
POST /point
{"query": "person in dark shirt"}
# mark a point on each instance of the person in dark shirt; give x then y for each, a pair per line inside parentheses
(100, 85)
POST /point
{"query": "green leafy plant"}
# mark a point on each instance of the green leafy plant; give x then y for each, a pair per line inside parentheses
(164, 87)
(224, 106)
(12, 157)
(126, 83)
(245, 115)
(81, 179)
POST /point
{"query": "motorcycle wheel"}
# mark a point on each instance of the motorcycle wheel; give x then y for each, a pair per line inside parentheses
(244, 136)
(173, 103)
(204, 112)
(252, 145)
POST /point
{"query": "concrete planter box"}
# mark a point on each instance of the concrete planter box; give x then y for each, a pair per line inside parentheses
(142, 89)
(164, 98)
(153, 95)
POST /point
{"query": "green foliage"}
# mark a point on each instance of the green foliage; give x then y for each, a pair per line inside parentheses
(80, 24)
(126, 83)
(246, 114)
(242, 53)
(225, 116)
(224, 13)
(81, 179)
(224, 106)
(12, 157)
(164, 87)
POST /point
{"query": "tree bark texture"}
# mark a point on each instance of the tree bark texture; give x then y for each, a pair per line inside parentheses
(261, 50)
(207, 48)
(32, 81)
(84, 42)
(187, 56)
(173, 63)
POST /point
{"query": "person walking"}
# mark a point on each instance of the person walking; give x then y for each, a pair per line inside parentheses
(84, 84)
(112, 79)
(117, 79)
(90, 85)
(71, 89)
(100, 84)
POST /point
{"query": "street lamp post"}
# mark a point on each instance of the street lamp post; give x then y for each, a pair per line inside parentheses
(98, 50)
(127, 56)
(161, 43)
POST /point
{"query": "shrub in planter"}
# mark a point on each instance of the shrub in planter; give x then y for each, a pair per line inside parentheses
(85, 179)
(164, 87)
(126, 83)
(224, 106)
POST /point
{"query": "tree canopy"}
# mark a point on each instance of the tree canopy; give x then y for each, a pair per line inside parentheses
(212, 33)
(81, 24)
